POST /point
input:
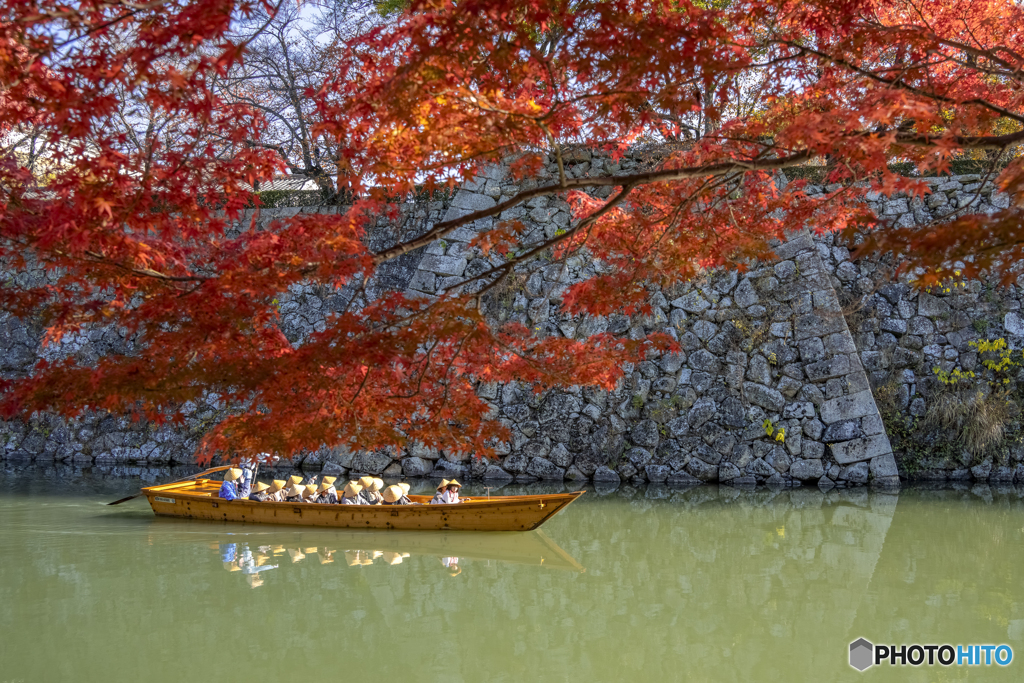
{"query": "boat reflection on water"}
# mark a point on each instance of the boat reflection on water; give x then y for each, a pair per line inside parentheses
(236, 557)
(263, 551)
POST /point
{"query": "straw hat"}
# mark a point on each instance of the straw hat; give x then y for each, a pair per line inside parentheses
(261, 487)
(310, 490)
(295, 480)
(378, 484)
(352, 489)
(393, 494)
(405, 488)
(442, 485)
(324, 486)
(366, 482)
(393, 558)
(455, 482)
(295, 554)
(329, 480)
(294, 490)
(232, 474)
(277, 485)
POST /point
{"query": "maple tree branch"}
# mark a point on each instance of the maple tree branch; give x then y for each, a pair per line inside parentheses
(649, 177)
(897, 83)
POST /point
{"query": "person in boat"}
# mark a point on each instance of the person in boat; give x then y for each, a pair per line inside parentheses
(326, 494)
(275, 492)
(370, 495)
(350, 495)
(259, 493)
(294, 494)
(229, 489)
(448, 492)
(394, 495)
(295, 480)
(309, 493)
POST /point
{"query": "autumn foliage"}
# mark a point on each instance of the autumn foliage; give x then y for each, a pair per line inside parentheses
(141, 237)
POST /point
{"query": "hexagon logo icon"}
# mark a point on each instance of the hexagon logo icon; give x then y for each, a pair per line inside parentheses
(861, 654)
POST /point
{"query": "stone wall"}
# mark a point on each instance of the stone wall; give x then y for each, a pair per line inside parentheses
(772, 350)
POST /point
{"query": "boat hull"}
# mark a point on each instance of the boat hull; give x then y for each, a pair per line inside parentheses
(198, 500)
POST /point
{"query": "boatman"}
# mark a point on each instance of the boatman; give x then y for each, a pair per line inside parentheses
(229, 489)
(259, 493)
(350, 495)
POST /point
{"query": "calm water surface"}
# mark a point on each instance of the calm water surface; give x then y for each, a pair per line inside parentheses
(703, 585)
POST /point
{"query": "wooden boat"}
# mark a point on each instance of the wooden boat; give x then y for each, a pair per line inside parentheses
(197, 499)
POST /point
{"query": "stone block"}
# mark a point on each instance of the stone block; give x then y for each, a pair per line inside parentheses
(811, 350)
(417, 467)
(473, 201)
(763, 396)
(443, 265)
(817, 325)
(883, 466)
(837, 366)
(866, 448)
(849, 407)
(807, 470)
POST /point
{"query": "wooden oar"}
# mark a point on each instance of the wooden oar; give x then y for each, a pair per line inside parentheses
(194, 476)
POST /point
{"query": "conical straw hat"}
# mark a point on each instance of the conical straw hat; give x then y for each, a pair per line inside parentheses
(261, 487)
(295, 480)
(366, 482)
(324, 486)
(277, 485)
(405, 488)
(352, 489)
(329, 480)
(310, 490)
(232, 474)
(294, 490)
(393, 494)
(378, 484)
(455, 482)
(442, 485)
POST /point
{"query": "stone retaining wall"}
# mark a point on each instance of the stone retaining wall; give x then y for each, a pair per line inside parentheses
(770, 350)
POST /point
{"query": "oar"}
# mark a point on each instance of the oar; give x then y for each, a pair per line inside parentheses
(194, 476)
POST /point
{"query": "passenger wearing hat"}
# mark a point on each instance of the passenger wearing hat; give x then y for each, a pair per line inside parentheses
(326, 494)
(294, 494)
(309, 493)
(229, 489)
(447, 492)
(275, 493)
(245, 482)
(394, 495)
(259, 493)
(405, 493)
(350, 496)
(370, 495)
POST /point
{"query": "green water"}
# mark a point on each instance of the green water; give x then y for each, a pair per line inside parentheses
(703, 585)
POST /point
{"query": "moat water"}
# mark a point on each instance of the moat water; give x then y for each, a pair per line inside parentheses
(709, 584)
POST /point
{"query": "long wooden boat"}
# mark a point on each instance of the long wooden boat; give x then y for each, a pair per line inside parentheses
(197, 499)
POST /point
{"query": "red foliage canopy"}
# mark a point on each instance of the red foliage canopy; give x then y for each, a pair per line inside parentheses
(141, 239)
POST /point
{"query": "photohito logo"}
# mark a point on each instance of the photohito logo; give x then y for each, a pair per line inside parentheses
(864, 654)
